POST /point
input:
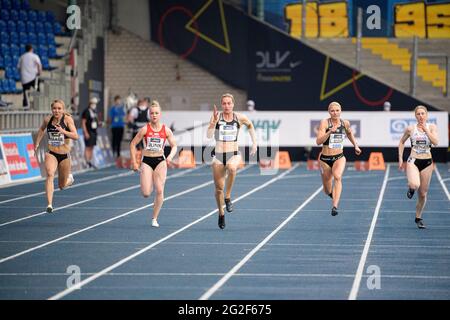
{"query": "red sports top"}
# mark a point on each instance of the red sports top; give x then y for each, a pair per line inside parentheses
(155, 141)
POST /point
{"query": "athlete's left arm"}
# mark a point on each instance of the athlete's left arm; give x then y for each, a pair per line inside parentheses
(251, 130)
(432, 134)
(173, 144)
(73, 134)
(351, 137)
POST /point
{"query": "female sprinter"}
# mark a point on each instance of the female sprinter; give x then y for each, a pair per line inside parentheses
(60, 129)
(419, 165)
(154, 163)
(331, 135)
(224, 126)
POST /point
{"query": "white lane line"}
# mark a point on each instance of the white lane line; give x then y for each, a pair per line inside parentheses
(358, 276)
(91, 199)
(234, 270)
(396, 178)
(105, 221)
(76, 185)
(189, 274)
(442, 183)
(106, 270)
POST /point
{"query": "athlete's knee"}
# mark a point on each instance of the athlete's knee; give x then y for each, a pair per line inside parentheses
(413, 185)
(337, 177)
(146, 193)
(232, 170)
(423, 194)
(159, 192)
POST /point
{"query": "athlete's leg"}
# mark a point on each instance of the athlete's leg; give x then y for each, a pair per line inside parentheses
(63, 173)
(218, 170)
(232, 166)
(413, 176)
(159, 179)
(326, 174)
(338, 171)
(51, 164)
(425, 178)
(146, 180)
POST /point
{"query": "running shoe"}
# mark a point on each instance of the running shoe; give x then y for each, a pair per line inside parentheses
(330, 195)
(228, 205)
(420, 224)
(410, 193)
(49, 209)
(221, 221)
(155, 223)
(334, 211)
(70, 180)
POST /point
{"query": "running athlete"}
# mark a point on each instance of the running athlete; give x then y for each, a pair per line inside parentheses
(60, 129)
(224, 126)
(419, 164)
(154, 164)
(331, 135)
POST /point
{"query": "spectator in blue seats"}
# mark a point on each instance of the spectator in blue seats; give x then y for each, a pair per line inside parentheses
(30, 68)
(116, 119)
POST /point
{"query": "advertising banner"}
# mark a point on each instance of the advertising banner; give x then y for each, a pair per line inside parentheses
(18, 150)
(292, 129)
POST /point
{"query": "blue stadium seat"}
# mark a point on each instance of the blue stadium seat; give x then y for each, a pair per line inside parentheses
(42, 50)
(30, 27)
(39, 26)
(42, 39)
(4, 37)
(41, 16)
(4, 49)
(1, 87)
(51, 39)
(22, 47)
(23, 38)
(15, 4)
(4, 26)
(32, 38)
(32, 16)
(50, 17)
(12, 26)
(48, 27)
(26, 5)
(14, 38)
(52, 52)
(14, 15)
(6, 4)
(57, 29)
(2, 62)
(23, 15)
(4, 13)
(46, 63)
(21, 26)
(9, 73)
(12, 86)
(8, 61)
(14, 50)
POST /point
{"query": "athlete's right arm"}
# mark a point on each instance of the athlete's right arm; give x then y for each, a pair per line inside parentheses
(41, 133)
(401, 147)
(137, 138)
(212, 123)
(322, 135)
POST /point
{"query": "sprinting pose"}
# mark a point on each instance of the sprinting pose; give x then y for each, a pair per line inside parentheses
(154, 163)
(331, 135)
(224, 126)
(419, 164)
(60, 129)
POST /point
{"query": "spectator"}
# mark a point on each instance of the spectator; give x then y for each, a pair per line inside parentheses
(89, 123)
(30, 67)
(251, 105)
(138, 118)
(117, 121)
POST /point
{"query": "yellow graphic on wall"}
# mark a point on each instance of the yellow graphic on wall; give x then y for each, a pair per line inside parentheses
(224, 47)
(324, 95)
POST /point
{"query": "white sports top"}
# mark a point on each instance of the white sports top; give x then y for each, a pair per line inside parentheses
(420, 142)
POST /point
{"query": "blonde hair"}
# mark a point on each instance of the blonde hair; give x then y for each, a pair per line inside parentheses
(420, 107)
(155, 104)
(334, 103)
(227, 95)
(58, 101)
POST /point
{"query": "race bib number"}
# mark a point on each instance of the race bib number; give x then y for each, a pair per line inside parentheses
(336, 141)
(411, 160)
(55, 139)
(94, 125)
(421, 146)
(154, 144)
(227, 133)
